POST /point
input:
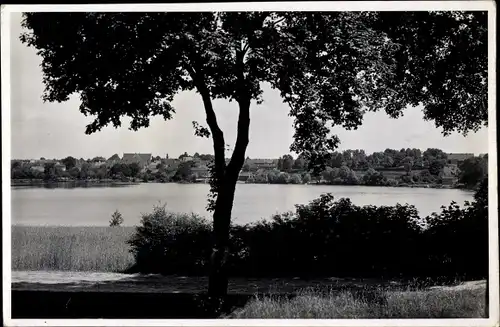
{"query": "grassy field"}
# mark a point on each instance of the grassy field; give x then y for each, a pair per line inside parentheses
(460, 303)
(71, 248)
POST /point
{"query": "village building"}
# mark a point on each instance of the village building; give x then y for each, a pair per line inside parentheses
(152, 167)
(142, 159)
(201, 171)
(60, 166)
(38, 167)
(171, 163)
(256, 164)
(244, 176)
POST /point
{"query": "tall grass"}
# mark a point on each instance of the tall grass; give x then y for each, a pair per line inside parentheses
(464, 303)
(71, 248)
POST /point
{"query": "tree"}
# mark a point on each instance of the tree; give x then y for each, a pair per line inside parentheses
(286, 163)
(120, 169)
(184, 155)
(299, 164)
(432, 153)
(183, 172)
(116, 219)
(336, 160)
(473, 171)
(282, 178)
(114, 157)
(344, 172)
(246, 167)
(74, 172)
(69, 162)
(373, 177)
(84, 171)
(388, 161)
(134, 169)
(98, 159)
(306, 178)
(408, 164)
(206, 157)
(295, 179)
(101, 172)
(436, 165)
(50, 171)
(330, 68)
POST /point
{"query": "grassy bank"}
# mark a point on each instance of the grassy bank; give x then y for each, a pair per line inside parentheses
(440, 303)
(71, 248)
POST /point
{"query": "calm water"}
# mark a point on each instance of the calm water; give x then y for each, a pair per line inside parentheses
(94, 205)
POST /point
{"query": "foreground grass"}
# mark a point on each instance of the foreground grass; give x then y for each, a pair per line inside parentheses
(464, 303)
(101, 249)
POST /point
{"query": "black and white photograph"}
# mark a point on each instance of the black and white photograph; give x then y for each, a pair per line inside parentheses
(227, 163)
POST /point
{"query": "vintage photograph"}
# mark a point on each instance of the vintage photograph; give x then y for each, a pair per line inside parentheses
(243, 164)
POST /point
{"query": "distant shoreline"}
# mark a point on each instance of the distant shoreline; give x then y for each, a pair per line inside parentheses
(23, 182)
(77, 183)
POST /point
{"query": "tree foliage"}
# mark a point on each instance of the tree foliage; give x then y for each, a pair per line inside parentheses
(473, 171)
(69, 162)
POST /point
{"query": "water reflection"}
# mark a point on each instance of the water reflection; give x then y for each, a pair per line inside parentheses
(71, 185)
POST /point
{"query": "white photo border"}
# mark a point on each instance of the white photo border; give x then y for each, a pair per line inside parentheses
(489, 6)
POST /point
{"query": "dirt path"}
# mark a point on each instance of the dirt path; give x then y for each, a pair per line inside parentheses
(109, 282)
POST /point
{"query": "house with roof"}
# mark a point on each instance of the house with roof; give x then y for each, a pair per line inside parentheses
(142, 159)
(60, 166)
(153, 166)
(256, 164)
(201, 171)
(244, 176)
(171, 163)
(38, 167)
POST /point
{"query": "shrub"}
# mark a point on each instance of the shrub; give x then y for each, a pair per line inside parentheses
(171, 243)
(295, 179)
(325, 238)
(116, 219)
(392, 182)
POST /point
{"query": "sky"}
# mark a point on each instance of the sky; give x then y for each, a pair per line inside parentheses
(57, 130)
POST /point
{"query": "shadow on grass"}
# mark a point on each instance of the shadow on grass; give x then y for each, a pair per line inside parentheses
(177, 297)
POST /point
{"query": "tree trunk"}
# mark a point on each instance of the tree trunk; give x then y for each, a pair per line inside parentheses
(226, 178)
(218, 279)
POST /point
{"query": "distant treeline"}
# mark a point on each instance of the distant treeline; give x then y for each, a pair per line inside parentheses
(351, 167)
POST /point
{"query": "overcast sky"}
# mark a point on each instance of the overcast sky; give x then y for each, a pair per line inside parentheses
(56, 130)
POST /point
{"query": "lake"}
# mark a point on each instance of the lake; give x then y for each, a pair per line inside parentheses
(94, 205)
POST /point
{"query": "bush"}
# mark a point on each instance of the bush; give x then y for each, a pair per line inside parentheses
(325, 238)
(116, 219)
(171, 243)
(392, 182)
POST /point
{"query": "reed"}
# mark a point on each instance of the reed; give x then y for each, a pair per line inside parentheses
(71, 248)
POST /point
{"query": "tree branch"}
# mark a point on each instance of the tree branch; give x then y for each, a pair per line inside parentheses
(238, 156)
(211, 118)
